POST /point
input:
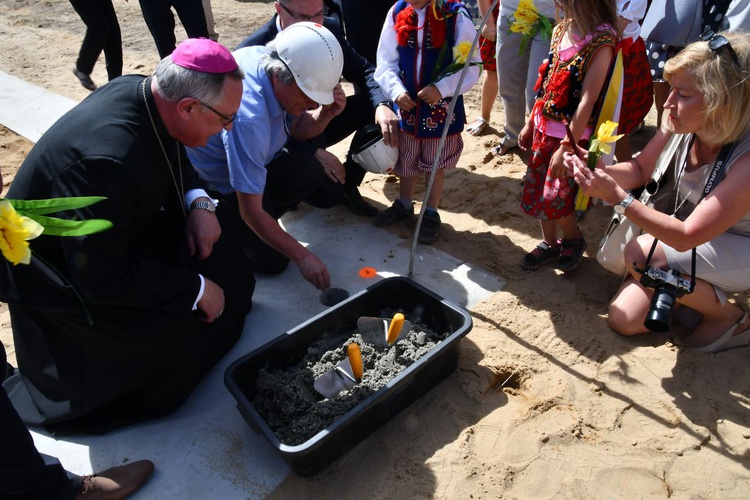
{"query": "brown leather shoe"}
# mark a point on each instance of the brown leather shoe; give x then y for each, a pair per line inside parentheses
(117, 482)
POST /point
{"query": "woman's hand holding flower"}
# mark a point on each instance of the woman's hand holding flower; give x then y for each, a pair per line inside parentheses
(597, 182)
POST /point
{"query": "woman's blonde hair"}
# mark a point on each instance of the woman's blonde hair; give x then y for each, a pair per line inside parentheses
(724, 83)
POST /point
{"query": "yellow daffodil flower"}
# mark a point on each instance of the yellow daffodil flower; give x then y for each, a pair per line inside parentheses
(461, 52)
(527, 21)
(601, 143)
(527, 6)
(525, 18)
(15, 231)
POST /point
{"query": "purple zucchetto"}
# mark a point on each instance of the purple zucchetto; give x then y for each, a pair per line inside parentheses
(204, 55)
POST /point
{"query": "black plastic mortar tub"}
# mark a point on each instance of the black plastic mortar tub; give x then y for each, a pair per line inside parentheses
(313, 455)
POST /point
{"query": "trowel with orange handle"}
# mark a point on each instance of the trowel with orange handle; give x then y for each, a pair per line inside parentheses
(344, 376)
(383, 332)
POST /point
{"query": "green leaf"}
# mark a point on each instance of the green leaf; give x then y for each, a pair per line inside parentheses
(546, 27)
(52, 205)
(440, 59)
(54, 226)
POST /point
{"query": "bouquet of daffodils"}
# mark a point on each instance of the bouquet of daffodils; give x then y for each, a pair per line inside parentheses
(24, 220)
(527, 21)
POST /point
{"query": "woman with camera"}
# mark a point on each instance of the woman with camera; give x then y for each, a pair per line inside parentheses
(708, 110)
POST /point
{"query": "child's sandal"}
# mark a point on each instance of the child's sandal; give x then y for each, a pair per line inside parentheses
(477, 127)
(542, 254)
(503, 149)
(571, 254)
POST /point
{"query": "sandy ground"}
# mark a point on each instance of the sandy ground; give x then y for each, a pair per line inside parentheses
(584, 413)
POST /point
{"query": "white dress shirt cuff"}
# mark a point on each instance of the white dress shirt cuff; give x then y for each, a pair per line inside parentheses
(193, 194)
(200, 293)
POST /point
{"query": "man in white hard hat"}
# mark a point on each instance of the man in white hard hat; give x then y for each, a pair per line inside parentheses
(366, 106)
(291, 89)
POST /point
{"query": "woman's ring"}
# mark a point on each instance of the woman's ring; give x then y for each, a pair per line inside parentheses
(219, 313)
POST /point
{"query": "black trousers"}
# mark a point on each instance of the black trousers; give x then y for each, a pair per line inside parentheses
(102, 34)
(160, 21)
(295, 176)
(24, 473)
(363, 20)
(357, 114)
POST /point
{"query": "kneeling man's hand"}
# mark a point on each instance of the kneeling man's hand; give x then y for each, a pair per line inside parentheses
(202, 231)
(338, 104)
(388, 121)
(211, 304)
(332, 166)
(314, 271)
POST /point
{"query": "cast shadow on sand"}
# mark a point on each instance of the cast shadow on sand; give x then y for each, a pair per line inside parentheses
(698, 381)
(710, 395)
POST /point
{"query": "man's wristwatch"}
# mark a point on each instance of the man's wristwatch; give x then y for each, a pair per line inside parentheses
(204, 205)
(624, 204)
(388, 104)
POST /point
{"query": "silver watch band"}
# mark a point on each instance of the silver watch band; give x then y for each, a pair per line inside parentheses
(203, 205)
(624, 204)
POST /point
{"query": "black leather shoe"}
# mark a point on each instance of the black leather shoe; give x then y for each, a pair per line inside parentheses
(356, 204)
(7, 372)
(85, 79)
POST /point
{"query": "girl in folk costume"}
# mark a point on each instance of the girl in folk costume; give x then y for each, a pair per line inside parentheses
(569, 88)
(423, 46)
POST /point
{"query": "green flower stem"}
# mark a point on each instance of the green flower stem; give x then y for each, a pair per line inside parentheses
(593, 157)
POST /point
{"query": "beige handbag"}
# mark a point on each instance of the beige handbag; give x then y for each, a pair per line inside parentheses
(610, 253)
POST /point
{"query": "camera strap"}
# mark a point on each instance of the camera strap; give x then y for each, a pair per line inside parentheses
(717, 173)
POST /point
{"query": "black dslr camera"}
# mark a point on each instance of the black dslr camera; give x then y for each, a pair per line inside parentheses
(668, 287)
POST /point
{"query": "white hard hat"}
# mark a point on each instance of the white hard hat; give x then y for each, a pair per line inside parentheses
(371, 152)
(314, 57)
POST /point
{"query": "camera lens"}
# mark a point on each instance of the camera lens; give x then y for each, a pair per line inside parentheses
(659, 316)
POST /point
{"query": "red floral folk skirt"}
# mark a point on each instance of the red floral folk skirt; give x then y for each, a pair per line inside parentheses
(487, 53)
(487, 47)
(545, 197)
